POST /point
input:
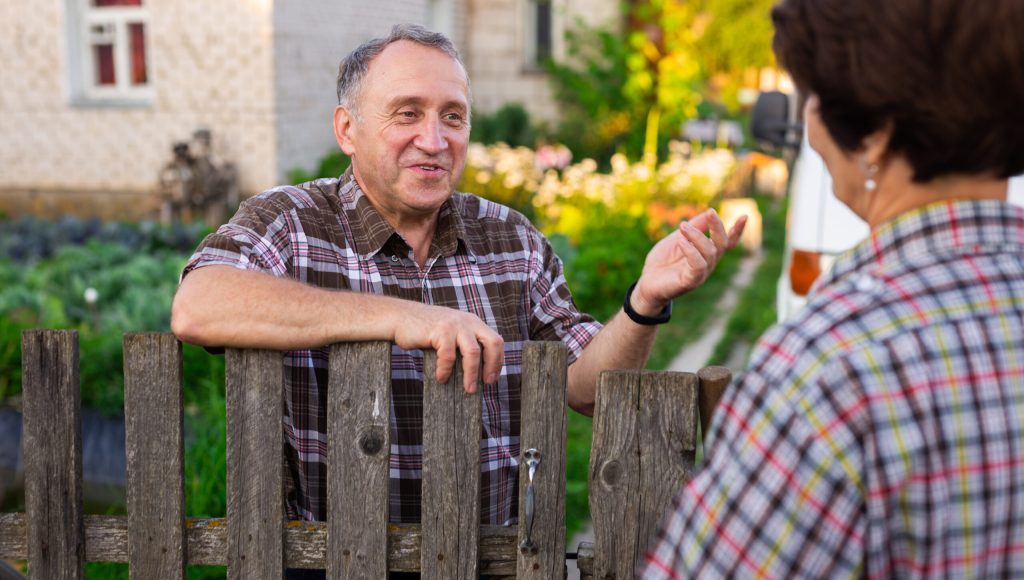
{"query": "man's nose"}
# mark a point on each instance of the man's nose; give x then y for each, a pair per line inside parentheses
(431, 137)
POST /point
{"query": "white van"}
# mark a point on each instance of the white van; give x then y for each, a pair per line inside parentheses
(819, 227)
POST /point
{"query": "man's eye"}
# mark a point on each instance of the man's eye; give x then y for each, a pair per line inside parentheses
(453, 117)
(407, 114)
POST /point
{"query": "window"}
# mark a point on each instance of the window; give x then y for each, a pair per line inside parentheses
(108, 49)
(538, 38)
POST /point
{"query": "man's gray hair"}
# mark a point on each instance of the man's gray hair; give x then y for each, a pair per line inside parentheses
(354, 66)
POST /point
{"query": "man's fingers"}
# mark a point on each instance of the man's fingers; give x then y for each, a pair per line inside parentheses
(701, 220)
(445, 360)
(701, 243)
(737, 231)
(494, 356)
(470, 350)
(698, 264)
(718, 235)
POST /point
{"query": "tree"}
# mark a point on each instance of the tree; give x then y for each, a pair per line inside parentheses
(632, 91)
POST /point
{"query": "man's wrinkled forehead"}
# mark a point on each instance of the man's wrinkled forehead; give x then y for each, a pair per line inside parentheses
(408, 60)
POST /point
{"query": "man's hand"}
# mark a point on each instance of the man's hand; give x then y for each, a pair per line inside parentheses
(678, 263)
(446, 330)
(683, 260)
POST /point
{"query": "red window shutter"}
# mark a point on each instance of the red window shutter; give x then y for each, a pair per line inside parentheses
(137, 34)
(103, 55)
(105, 3)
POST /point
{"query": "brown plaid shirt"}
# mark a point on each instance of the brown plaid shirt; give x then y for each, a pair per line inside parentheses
(485, 259)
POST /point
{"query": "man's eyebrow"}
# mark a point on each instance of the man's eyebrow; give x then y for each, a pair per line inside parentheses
(403, 100)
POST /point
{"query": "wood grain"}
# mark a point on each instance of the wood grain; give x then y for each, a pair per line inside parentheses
(614, 474)
(255, 507)
(154, 443)
(667, 428)
(451, 475)
(358, 451)
(53, 454)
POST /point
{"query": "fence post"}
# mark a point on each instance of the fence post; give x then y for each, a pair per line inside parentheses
(643, 451)
(667, 444)
(53, 454)
(713, 382)
(451, 475)
(154, 443)
(614, 477)
(543, 420)
(254, 465)
(359, 449)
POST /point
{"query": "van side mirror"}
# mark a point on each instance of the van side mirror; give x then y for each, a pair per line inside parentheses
(770, 121)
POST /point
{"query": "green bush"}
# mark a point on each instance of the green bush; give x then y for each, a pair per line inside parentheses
(509, 125)
(332, 165)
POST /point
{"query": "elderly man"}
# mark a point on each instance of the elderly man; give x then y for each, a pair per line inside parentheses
(389, 251)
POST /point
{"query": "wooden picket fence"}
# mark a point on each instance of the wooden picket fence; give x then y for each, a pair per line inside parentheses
(643, 449)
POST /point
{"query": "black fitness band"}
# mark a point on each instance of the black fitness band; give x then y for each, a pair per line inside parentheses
(664, 316)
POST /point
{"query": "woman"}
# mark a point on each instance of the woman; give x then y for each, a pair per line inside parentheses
(881, 432)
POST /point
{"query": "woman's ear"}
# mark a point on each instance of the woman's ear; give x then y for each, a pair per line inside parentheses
(344, 123)
(875, 145)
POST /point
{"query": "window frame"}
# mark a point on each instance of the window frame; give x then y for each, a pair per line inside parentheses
(532, 62)
(85, 90)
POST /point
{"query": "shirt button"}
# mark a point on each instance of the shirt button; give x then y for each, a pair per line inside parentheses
(394, 258)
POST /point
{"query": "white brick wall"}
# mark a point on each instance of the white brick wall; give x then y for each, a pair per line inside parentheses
(496, 35)
(310, 39)
(210, 66)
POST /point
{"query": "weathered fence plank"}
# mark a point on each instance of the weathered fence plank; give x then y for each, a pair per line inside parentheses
(53, 458)
(358, 413)
(451, 475)
(614, 473)
(652, 417)
(713, 382)
(543, 428)
(254, 467)
(106, 540)
(154, 443)
(667, 426)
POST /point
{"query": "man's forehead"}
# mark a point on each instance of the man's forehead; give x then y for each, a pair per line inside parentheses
(407, 57)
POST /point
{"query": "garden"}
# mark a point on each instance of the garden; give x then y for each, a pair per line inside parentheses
(603, 184)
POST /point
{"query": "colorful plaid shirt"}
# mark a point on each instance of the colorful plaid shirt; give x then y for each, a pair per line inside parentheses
(881, 432)
(485, 259)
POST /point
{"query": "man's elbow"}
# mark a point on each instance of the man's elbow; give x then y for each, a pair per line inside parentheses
(185, 323)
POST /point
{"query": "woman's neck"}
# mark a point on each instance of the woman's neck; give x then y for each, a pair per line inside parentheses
(897, 193)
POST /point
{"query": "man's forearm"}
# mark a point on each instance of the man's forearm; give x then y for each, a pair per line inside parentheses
(621, 344)
(225, 306)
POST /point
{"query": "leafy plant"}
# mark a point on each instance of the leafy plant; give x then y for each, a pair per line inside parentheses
(331, 165)
(510, 125)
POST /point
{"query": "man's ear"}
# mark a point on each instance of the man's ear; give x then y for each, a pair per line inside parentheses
(343, 126)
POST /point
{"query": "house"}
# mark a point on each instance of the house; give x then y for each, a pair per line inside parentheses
(95, 93)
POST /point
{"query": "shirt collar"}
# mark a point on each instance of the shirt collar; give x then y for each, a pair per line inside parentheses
(947, 227)
(371, 232)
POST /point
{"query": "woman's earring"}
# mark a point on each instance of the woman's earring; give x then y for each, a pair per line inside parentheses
(869, 183)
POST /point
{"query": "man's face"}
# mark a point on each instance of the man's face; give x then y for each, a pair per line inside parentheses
(408, 141)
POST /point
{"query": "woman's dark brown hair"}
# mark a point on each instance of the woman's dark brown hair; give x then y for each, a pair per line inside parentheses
(948, 75)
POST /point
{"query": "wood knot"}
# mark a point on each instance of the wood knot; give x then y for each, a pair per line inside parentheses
(611, 473)
(371, 441)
